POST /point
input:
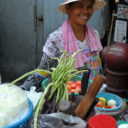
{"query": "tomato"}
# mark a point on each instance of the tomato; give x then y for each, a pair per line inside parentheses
(73, 90)
(78, 83)
(78, 86)
(107, 107)
(77, 90)
(69, 87)
(73, 86)
(69, 91)
(70, 82)
(99, 104)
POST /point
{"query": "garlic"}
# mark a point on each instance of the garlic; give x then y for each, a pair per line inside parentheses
(111, 102)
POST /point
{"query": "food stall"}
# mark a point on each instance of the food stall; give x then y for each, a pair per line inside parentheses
(68, 100)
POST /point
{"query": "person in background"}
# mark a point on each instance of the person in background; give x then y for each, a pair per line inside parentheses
(74, 34)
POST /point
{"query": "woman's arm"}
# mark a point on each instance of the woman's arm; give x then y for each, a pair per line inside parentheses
(46, 62)
(36, 79)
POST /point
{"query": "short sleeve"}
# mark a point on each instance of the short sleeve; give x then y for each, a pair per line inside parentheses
(54, 44)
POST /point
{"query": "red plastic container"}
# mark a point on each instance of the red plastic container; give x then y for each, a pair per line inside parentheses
(102, 121)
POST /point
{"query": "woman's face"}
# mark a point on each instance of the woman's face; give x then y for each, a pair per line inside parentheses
(80, 12)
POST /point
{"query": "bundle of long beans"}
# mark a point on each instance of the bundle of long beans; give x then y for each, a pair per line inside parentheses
(59, 77)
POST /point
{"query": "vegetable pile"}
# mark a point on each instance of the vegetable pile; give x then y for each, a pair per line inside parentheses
(103, 103)
(74, 86)
(56, 91)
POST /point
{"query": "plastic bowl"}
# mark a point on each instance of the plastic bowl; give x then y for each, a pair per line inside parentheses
(109, 96)
(21, 123)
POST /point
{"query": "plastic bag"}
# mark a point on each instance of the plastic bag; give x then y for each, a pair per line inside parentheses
(33, 95)
(58, 120)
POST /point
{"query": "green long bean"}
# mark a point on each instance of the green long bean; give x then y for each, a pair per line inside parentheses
(60, 76)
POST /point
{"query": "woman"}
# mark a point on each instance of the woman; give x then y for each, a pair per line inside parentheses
(74, 34)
